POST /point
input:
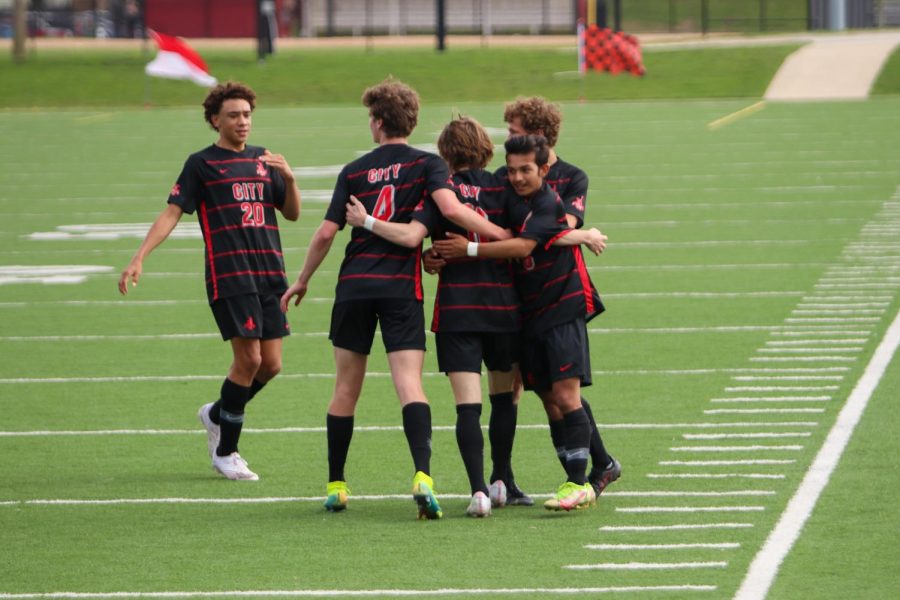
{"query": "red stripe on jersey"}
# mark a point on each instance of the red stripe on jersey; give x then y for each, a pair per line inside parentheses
(204, 224)
(373, 276)
(233, 252)
(370, 255)
(231, 227)
(475, 307)
(559, 235)
(420, 294)
(474, 285)
(436, 315)
(236, 179)
(585, 280)
(562, 299)
(402, 186)
(231, 160)
(249, 272)
(216, 209)
(366, 171)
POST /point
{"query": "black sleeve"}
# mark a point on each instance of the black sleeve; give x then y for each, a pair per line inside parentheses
(428, 214)
(437, 175)
(186, 191)
(575, 197)
(337, 210)
(542, 224)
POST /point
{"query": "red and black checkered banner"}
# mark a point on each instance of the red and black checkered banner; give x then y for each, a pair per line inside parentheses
(602, 49)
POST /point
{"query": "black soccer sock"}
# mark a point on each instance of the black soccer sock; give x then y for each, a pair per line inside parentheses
(471, 444)
(578, 441)
(339, 433)
(417, 426)
(599, 457)
(558, 437)
(231, 416)
(502, 433)
(255, 386)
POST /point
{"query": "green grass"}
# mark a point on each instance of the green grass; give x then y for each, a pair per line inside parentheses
(104, 78)
(888, 81)
(716, 236)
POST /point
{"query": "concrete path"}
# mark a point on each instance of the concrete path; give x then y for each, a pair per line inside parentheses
(835, 67)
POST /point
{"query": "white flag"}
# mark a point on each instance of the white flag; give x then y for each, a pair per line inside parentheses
(177, 60)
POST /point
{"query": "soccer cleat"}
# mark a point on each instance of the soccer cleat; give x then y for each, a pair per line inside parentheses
(212, 430)
(233, 467)
(572, 496)
(337, 496)
(423, 494)
(516, 497)
(497, 491)
(479, 505)
(600, 479)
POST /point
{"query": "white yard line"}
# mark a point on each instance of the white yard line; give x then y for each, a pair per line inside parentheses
(766, 564)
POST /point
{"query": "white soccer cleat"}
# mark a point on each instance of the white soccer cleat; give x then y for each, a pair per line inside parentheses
(479, 505)
(212, 430)
(497, 491)
(233, 467)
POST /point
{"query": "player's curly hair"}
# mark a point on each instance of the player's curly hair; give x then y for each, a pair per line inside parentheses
(222, 92)
(464, 144)
(536, 114)
(395, 104)
(526, 144)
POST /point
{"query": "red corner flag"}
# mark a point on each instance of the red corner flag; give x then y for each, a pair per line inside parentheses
(177, 60)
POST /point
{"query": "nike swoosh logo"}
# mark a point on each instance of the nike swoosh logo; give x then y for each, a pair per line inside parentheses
(565, 367)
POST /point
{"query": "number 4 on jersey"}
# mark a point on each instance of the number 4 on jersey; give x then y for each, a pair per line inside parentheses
(384, 206)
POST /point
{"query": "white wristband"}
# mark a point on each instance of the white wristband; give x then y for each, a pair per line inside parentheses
(472, 249)
(369, 223)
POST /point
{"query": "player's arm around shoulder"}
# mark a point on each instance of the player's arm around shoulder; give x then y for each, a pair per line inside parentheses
(291, 207)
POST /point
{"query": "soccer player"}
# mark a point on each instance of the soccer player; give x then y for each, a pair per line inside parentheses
(538, 116)
(476, 311)
(235, 189)
(558, 298)
(380, 283)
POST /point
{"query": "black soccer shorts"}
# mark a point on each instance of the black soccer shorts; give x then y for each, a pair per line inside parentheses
(251, 316)
(464, 352)
(561, 352)
(402, 323)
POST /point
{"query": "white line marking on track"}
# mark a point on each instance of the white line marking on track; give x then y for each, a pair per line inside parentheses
(715, 476)
(724, 463)
(766, 564)
(688, 509)
(783, 388)
(697, 546)
(759, 411)
(773, 399)
(744, 436)
(757, 448)
(678, 527)
(633, 566)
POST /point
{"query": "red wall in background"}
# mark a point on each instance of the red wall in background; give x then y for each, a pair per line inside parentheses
(203, 18)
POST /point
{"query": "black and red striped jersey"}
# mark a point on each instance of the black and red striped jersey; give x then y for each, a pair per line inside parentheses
(570, 182)
(553, 282)
(474, 294)
(390, 181)
(235, 196)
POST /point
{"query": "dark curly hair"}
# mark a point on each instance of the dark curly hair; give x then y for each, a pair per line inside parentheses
(226, 91)
(526, 144)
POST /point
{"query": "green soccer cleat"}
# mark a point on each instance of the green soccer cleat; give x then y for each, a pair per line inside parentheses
(572, 496)
(337, 494)
(423, 494)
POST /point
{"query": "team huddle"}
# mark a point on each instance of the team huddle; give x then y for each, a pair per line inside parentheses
(513, 291)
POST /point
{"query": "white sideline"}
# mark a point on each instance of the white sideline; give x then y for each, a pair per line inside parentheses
(765, 565)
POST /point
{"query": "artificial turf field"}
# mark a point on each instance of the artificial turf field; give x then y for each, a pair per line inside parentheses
(753, 269)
